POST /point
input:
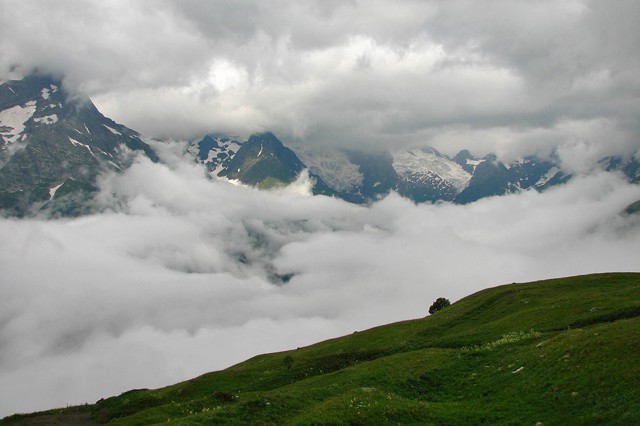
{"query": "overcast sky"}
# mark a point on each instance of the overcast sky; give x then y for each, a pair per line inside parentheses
(509, 76)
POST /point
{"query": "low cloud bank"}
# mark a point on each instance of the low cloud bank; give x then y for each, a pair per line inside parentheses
(183, 275)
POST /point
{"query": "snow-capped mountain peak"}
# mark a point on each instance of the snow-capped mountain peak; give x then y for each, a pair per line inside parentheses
(427, 164)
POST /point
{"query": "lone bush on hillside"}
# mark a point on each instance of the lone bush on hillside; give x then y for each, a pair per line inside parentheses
(440, 303)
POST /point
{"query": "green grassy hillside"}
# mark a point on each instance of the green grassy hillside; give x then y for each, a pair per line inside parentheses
(556, 352)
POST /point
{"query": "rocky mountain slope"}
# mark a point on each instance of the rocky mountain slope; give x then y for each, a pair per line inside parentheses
(629, 166)
(263, 161)
(53, 145)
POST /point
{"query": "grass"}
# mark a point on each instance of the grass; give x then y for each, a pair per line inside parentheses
(562, 351)
(271, 183)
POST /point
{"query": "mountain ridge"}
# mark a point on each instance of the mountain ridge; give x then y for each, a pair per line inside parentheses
(49, 138)
(420, 174)
(53, 146)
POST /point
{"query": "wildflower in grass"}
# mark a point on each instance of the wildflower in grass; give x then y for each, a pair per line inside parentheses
(508, 338)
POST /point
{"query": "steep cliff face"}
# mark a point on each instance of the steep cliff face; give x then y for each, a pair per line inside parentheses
(49, 139)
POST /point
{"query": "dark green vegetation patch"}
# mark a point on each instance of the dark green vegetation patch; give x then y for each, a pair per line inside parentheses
(556, 352)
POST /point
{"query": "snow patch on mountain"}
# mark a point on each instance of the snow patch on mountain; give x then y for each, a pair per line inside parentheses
(52, 191)
(47, 119)
(332, 165)
(231, 146)
(76, 143)
(13, 120)
(547, 177)
(421, 163)
(215, 151)
(112, 130)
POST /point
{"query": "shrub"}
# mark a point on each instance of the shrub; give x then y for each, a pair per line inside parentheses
(440, 303)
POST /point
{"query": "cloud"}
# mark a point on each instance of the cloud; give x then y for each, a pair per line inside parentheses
(342, 73)
(579, 144)
(182, 275)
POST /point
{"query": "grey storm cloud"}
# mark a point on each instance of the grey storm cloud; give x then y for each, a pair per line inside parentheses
(181, 275)
(356, 74)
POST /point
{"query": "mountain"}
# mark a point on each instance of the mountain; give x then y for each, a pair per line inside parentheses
(215, 151)
(53, 146)
(555, 352)
(421, 174)
(629, 166)
(263, 161)
(427, 175)
(357, 177)
(633, 208)
(491, 177)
